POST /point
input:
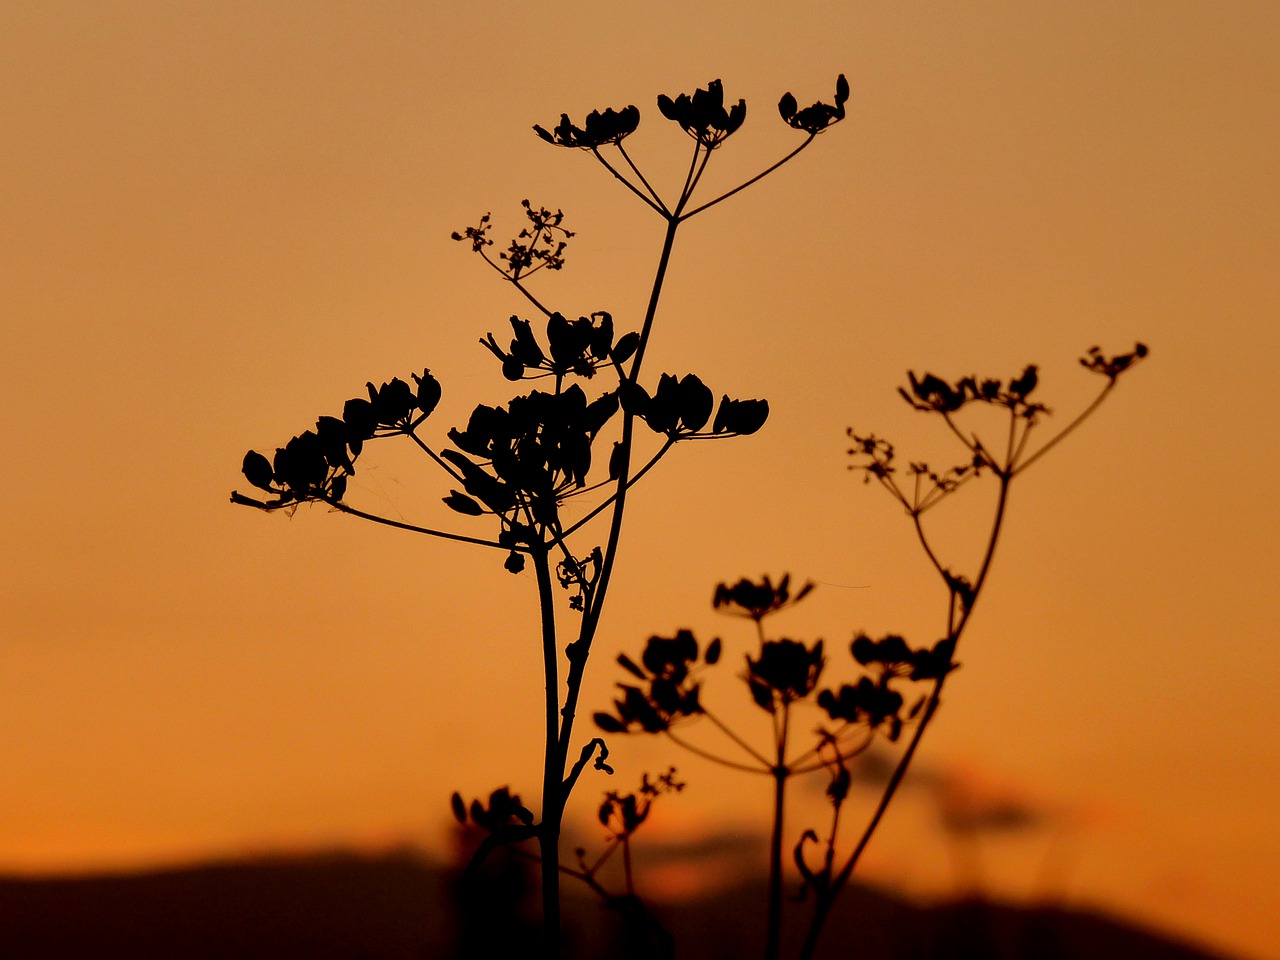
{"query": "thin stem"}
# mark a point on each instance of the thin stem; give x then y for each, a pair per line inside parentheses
(688, 177)
(442, 463)
(765, 764)
(553, 767)
(714, 758)
(773, 936)
(658, 207)
(825, 900)
(600, 507)
(801, 763)
(413, 528)
(1065, 430)
(743, 186)
(693, 184)
(652, 192)
(515, 282)
(924, 542)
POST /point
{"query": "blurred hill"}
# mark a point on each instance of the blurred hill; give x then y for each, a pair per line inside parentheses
(401, 907)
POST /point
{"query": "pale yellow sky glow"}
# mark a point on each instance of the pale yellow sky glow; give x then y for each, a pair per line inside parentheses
(220, 220)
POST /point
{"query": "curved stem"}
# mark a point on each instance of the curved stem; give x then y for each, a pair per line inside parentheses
(1084, 414)
(924, 542)
(825, 900)
(413, 528)
(600, 507)
(652, 192)
(765, 764)
(773, 935)
(708, 755)
(743, 186)
(442, 463)
(658, 207)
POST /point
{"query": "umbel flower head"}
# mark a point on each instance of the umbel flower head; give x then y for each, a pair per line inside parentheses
(816, 118)
(315, 464)
(785, 671)
(611, 126)
(757, 600)
(703, 116)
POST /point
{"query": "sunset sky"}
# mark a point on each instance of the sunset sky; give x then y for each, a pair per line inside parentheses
(221, 219)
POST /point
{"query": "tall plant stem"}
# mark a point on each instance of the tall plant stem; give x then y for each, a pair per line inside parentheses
(827, 898)
(553, 764)
(773, 936)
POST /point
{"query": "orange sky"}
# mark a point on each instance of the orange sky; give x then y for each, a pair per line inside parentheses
(221, 220)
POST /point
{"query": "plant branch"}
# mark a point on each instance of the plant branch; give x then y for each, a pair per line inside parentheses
(743, 186)
(412, 528)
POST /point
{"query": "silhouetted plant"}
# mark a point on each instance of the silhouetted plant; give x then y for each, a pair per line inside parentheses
(783, 675)
(541, 467)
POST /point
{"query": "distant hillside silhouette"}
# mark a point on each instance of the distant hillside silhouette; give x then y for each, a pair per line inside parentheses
(400, 907)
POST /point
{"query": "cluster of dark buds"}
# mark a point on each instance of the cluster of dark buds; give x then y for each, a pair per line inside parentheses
(704, 116)
(782, 673)
(504, 809)
(580, 346)
(782, 678)
(539, 246)
(507, 823)
(873, 700)
(757, 600)
(932, 393)
(315, 464)
(816, 118)
(537, 449)
(681, 406)
(1112, 367)
(601, 127)
(785, 671)
(624, 813)
(667, 666)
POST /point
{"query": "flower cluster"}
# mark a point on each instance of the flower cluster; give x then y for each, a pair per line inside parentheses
(816, 118)
(578, 346)
(315, 464)
(681, 407)
(703, 115)
(518, 461)
(931, 393)
(503, 810)
(1112, 367)
(538, 246)
(666, 666)
(623, 814)
(873, 700)
(784, 672)
(611, 126)
(757, 600)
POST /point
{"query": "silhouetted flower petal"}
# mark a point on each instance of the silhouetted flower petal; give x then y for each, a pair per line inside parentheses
(257, 470)
(703, 116)
(600, 128)
(816, 118)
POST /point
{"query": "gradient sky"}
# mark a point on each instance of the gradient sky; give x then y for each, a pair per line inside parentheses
(220, 220)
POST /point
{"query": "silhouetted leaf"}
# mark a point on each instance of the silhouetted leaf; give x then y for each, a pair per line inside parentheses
(428, 392)
(712, 655)
(625, 347)
(463, 504)
(696, 401)
(459, 808)
(629, 665)
(617, 461)
(257, 470)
